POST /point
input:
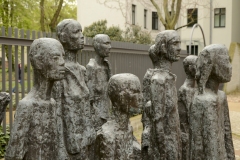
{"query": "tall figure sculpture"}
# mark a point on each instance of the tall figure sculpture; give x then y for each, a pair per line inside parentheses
(72, 96)
(33, 135)
(185, 96)
(98, 75)
(210, 129)
(115, 139)
(4, 100)
(161, 137)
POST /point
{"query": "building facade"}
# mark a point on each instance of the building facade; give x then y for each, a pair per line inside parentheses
(219, 21)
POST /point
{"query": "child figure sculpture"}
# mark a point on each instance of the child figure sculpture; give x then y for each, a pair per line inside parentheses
(185, 96)
(115, 139)
(210, 128)
(161, 138)
(98, 75)
(76, 131)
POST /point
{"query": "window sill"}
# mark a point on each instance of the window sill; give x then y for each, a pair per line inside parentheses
(220, 27)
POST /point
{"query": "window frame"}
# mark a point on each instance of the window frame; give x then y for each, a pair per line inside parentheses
(193, 48)
(219, 14)
(154, 20)
(195, 13)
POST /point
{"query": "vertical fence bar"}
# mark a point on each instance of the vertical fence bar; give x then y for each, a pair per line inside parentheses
(16, 71)
(23, 66)
(28, 65)
(3, 77)
(39, 34)
(10, 78)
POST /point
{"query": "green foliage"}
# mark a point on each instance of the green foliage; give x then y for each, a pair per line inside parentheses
(135, 34)
(3, 141)
(100, 27)
(115, 33)
(25, 14)
(132, 34)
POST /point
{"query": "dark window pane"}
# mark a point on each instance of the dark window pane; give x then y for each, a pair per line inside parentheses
(222, 20)
(219, 17)
(154, 21)
(217, 11)
(192, 16)
(133, 14)
(223, 10)
(216, 21)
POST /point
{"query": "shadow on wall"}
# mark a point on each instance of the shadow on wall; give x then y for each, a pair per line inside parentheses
(234, 84)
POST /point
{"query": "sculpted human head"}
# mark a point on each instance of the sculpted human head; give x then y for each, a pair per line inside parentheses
(167, 45)
(124, 91)
(102, 45)
(213, 62)
(46, 57)
(189, 64)
(69, 33)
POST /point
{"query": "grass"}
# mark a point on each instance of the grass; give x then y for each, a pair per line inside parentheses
(137, 127)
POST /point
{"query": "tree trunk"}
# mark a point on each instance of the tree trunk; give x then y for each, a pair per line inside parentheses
(53, 22)
(42, 15)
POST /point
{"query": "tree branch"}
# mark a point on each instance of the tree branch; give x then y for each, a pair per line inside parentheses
(192, 20)
(165, 7)
(172, 9)
(42, 15)
(55, 16)
(176, 16)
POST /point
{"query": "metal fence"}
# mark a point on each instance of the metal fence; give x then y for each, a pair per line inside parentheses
(124, 58)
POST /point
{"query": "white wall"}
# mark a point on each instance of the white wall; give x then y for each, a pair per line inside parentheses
(235, 21)
(223, 35)
(89, 11)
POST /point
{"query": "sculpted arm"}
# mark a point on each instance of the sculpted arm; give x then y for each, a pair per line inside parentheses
(145, 115)
(228, 133)
(18, 139)
(90, 82)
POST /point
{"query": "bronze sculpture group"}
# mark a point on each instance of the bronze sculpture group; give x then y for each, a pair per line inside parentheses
(78, 113)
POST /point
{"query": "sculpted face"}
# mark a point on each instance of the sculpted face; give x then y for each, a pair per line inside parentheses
(222, 69)
(173, 47)
(189, 64)
(72, 38)
(55, 62)
(103, 45)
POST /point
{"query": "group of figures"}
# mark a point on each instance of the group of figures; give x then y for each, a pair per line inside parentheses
(193, 123)
(78, 113)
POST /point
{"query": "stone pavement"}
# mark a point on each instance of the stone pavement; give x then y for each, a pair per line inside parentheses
(234, 111)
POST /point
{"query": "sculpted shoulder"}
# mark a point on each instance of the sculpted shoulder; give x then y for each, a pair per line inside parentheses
(91, 63)
(108, 131)
(222, 95)
(162, 76)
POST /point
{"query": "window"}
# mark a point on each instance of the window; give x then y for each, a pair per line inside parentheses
(133, 14)
(154, 21)
(194, 49)
(192, 16)
(145, 18)
(219, 17)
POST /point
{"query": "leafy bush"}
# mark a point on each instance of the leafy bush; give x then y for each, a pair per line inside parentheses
(3, 141)
(133, 33)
